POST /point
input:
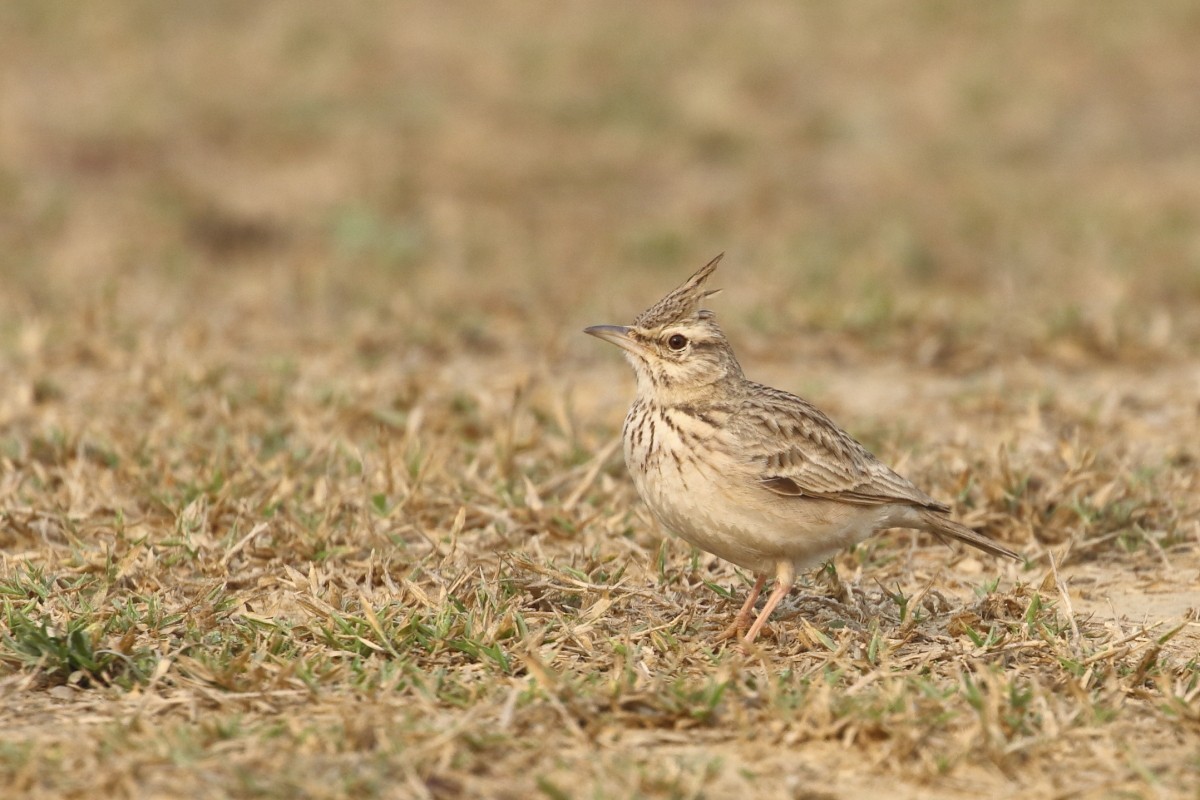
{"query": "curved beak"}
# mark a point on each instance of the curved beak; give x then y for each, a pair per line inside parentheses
(615, 334)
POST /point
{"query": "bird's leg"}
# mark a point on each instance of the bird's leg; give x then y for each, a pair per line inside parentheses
(742, 621)
(784, 577)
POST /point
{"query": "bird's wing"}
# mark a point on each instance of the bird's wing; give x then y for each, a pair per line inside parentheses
(800, 452)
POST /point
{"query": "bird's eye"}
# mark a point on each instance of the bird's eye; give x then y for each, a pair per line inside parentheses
(677, 342)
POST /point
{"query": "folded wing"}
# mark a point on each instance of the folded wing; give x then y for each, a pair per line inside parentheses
(800, 452)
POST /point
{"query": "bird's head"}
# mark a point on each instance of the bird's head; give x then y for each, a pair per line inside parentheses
(675, 346)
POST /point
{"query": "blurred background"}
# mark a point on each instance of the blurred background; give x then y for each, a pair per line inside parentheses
(953, 185)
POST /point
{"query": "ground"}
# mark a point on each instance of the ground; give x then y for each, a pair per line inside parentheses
(309, 480)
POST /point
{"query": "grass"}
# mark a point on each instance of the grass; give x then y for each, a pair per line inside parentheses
(309, 484)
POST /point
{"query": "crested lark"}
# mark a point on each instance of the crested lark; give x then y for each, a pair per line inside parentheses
(752, 474)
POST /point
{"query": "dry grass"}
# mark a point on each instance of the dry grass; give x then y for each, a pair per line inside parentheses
(307, 478)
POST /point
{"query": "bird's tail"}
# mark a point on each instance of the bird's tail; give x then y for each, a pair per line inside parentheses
(945, 528)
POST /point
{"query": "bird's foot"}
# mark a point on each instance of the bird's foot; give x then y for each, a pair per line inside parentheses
(736, 630)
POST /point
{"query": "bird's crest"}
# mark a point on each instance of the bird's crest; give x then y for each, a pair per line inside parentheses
(683, 303)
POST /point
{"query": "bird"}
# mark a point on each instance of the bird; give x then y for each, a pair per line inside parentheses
(755, 475)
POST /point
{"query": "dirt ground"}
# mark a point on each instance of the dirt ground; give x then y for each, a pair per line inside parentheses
(310, 483)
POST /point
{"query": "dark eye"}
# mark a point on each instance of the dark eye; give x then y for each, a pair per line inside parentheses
(677, 342)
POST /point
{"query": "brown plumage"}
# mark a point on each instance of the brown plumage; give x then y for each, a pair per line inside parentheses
(755, 475)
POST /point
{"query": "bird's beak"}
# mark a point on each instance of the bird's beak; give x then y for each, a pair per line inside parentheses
(616, 334)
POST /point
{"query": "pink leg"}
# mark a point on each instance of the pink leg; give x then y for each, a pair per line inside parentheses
(784, 578)
(742, 621)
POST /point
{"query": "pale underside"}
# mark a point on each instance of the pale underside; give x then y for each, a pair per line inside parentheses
(774, 485)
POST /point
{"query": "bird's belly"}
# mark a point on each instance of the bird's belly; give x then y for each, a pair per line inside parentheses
(718, 508)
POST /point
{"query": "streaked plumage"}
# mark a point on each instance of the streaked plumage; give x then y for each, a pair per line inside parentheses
(755, 475)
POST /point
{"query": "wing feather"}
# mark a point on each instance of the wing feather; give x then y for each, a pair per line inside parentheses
(800, 452)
